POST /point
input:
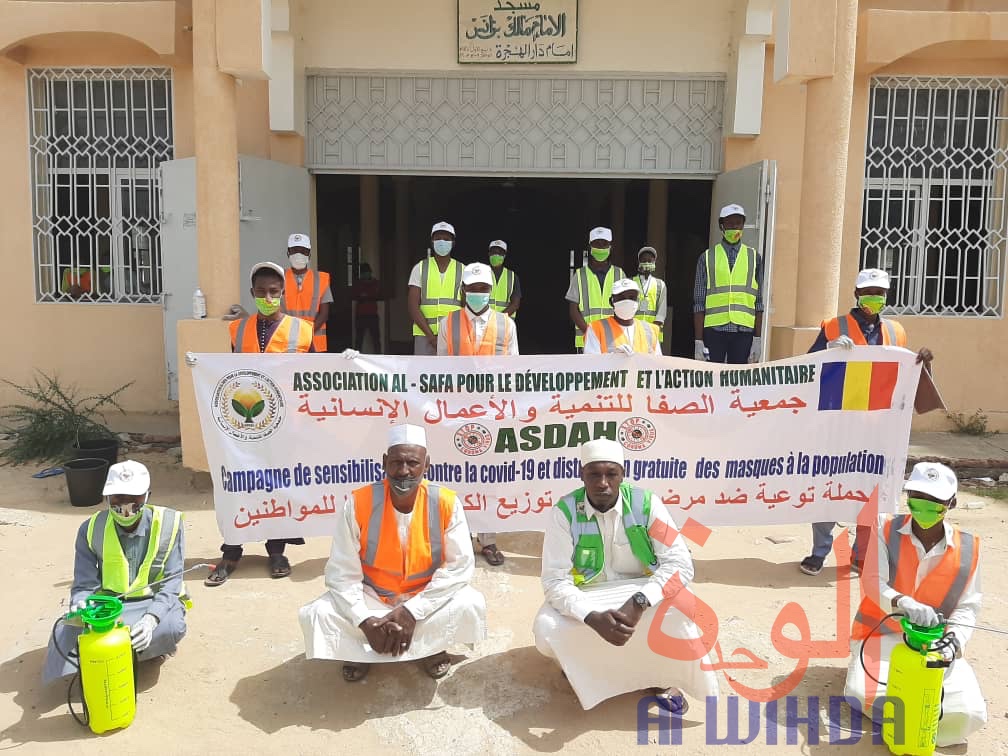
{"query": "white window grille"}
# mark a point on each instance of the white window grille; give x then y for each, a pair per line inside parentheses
(936, 176)
(97, 136)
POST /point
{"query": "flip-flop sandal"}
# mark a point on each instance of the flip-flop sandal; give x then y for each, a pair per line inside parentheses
(492, 555)
(355, 672)
(437, 666)
(279, 566)
(48, 472)
(220, 574)
(672, 700)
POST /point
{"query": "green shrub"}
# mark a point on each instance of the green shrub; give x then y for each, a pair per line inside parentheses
(970, 425)
(54, 418)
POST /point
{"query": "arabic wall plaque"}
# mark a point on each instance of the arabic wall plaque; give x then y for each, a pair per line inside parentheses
(517, 31)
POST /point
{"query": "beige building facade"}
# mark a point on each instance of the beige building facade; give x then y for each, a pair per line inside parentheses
(152, 147)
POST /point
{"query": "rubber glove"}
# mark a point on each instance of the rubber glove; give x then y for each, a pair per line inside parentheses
(918, 613)
(190, 359)
(700, 352)
(235, 312)
(350, 354)
(841, 342)
(142, 632)
(76, 606)
(624, 349)
(756, 352)
(952, 651)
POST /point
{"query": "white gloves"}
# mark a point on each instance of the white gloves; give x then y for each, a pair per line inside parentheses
(700, 352)
(350, 354)
(142, 632)
(756, 352)
(918, 613)
(624, 349)
(190, 359)
(76, 606)
(841, 342)
(235, 312)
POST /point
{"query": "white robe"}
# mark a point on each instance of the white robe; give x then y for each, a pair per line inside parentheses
(596, 669)
(448, 610)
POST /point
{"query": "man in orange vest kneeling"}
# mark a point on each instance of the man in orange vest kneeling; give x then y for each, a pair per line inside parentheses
(399, 572)
(926, 567)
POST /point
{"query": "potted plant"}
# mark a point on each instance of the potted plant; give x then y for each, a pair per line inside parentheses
(56, 421)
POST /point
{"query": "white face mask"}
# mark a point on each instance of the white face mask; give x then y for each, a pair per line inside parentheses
(625, 309)
(298, 260)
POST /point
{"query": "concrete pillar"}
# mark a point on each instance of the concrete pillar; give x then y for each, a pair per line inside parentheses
(617, 204)
(824, 177)
(370, 234)
(657, 223)
(216, 142)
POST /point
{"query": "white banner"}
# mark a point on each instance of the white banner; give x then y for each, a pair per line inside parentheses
(799, 440)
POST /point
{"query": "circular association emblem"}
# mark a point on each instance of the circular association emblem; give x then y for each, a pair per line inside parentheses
(636, 434)
(472, 439)
(248, 405)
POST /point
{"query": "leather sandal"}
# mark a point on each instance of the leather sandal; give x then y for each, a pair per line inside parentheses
(355, 672)
(437, 666)
(492, 555)
(279, 566)
(220, 573)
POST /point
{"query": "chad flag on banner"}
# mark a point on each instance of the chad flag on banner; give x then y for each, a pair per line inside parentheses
(857, 385)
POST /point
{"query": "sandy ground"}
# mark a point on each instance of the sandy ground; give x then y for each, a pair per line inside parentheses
(240, 681)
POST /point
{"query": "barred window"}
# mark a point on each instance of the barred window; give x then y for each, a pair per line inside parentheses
(936, 176)
(97, 137)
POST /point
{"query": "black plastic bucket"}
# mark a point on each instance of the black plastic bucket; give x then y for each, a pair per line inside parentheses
(85, 480)
(99, 448)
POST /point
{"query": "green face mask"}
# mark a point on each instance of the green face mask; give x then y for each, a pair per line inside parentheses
(926, 513)
(267, 306)
(871, 303)
(496, 260)
(600, 253)
(127, 515)
(732, 235)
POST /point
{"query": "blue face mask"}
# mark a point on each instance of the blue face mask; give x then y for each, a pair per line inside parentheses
(442, 246)
(477, 302)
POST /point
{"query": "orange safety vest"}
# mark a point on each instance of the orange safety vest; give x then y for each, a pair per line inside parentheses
(847, 325)
(610, 334)
(388, 569)
(305, 302)
(460, 335)
(942, 588)
(292, 335)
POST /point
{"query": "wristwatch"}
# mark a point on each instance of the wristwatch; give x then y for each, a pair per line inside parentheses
(641, 600)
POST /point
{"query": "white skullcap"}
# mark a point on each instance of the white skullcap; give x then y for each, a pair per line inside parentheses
(731, 210)
(408, 435)
(299, 240)
(602, 450)
(932, 479)
(601, 232)
(872, 277)
(263, 265)
(128, 478)
(477, 273)
(442, 226)
(499, 243)
(624, 284)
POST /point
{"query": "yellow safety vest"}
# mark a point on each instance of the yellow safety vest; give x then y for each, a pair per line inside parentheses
(731, 293)
(593, 301)
(503, 289)
(650, 297)
(103, 540)
(438, 295)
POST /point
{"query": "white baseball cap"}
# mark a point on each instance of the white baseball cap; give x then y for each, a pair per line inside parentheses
(602, 450)
(271, 265)
(624, 284)
(128, 478)
(645, 250)
(477, 273)
(932, 479)
(870, 277)
(299, 240)
(498, 243)
(731, 210)
(409, 435)
(442, 226)
(600, 232)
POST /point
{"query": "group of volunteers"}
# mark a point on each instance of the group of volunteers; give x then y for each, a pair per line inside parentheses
(398, 579)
